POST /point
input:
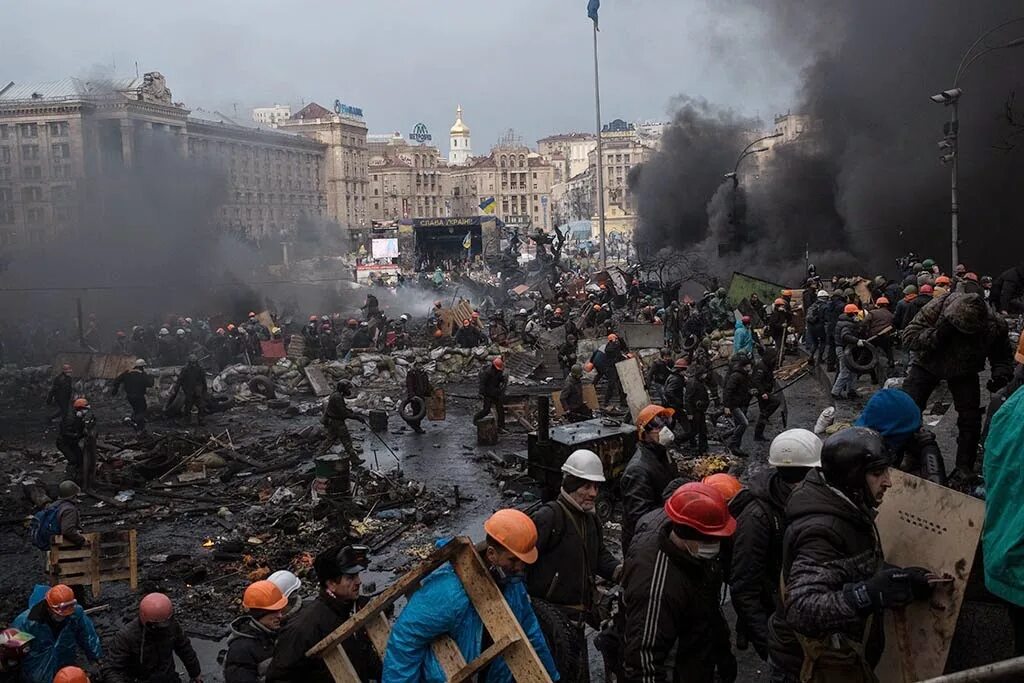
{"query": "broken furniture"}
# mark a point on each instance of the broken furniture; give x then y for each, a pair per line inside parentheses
(107, 556)
(509, 640)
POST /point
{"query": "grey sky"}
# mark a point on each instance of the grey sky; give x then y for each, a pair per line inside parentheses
(522, 64)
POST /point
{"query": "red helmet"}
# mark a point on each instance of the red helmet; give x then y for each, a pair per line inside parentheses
(438, 333)
(154, 608)
(971, 276)
(120, 333)
(71, 674)
(498, 363)
(702, 508)
(680, 363)
(943, 280)
(851, 308)
(745, 320)
(882, 301)
(252, 314)
(80, 403)
(780, 302)
(313, 318)
(61, 600)
(927, 289)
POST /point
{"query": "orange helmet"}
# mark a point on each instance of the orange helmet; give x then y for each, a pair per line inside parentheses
(780, 302)
(71, 674)
(588, 367)
(702, 508)
(154, 608)
(597, 307)
(943, 280)
(787, 292)
(649, 413)
(515, 531)
(498, 363)
(61, 600)
(724, 483)
(851, 308)
(613, 337)
(438, 333)
(80, 403)
(881, 301)
(264, 595)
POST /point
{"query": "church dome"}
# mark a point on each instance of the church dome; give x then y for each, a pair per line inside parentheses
(459, 128)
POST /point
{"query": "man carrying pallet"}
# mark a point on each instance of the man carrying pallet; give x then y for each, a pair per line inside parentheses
(442, 607)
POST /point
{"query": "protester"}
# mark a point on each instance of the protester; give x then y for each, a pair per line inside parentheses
(909, 445)
(59, 628)
(849, 333)
(251, 644)
(143, 650)
(649, 471)
(571, 396)
(135, 382)
(60, 393)
(492, 384)
(736, 397)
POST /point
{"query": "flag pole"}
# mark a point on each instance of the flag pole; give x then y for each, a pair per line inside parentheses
(600, 157)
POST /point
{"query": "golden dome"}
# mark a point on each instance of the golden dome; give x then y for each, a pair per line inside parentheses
(459, 128)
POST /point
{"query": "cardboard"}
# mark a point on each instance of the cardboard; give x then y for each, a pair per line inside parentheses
(923, 524)
(643, 335)
(273, 349)
(632, 379)
(94, 365)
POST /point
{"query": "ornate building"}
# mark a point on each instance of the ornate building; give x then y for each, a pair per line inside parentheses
(460, 144)
(406, 180)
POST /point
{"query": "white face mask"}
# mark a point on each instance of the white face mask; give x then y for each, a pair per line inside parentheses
(707, 551)
(666, 437)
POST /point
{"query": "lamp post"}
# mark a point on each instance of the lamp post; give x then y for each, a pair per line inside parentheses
(949, 143)
(734, 173)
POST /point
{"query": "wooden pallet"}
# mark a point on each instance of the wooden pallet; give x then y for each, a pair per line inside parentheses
(107, 556)
(509, 640)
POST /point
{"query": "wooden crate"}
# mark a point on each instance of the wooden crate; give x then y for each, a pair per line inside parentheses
(509, 640)
(107, 556)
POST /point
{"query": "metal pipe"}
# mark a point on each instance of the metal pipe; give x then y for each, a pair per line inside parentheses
(989, 672)
(600, 157)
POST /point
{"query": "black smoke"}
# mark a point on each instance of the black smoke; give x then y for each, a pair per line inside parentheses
(867, 184)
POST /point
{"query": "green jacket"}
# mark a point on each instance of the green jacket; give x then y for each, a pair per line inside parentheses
(1003, 536)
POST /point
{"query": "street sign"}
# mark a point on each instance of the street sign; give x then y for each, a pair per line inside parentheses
(420, 133)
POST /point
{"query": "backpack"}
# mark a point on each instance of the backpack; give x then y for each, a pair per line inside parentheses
(45, 525)
(814, 314)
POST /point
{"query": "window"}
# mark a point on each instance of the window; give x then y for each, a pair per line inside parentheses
(5, 172)
(5, 155)
(28, 130)
(6, 216)
(6, 195)
(62, 213)
(58, 129)
(535, 176)
(34, 215)
(5, 131)
(62, 171)
(32, 172)
(32, 194)
(29, 152)
(376, 205)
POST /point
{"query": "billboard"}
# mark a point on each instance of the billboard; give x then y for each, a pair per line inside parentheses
(384, 248)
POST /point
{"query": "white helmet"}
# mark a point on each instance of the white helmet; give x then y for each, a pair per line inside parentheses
(140, 362)
(164, 331)
(403, 317)
(522, 311)
(287, 582)
(180, 332)
(822, 294)
(548, 308)
(585, 465)
(795, 448)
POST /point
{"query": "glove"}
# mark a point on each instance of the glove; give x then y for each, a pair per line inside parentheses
(860, 342)
(891, 587)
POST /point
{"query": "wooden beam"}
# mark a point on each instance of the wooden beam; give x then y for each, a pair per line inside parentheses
(449, 656)
(340, 665)
(485, 658)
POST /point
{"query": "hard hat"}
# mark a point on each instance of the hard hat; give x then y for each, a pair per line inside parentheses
(325, 318)
(313, 318)
(851, 308)
(943, 280)
(680, 363)
(613, 337)
(120, 333)
(547, 307)
(585, 465)
(882, 301)
(649, 413)
(140, 362)
(154, 608)
(702, 508)
(795, 448)
(188, 320)
(71, 674)
(264, 595)
(724, 483)
(275, 330)
(927, 263)
(588, 367)
(910, 289)
(220, 330)
(780, 302)
(822, 294)
(971, 276)
(252, 314)
(787, 292)
(164, 331)
(403, 317)
(68, 489)
(65, 368)
(515, 531)
(180, 332)
(927, 289)
(848, 455)
(285, 581)
(522, 311)
(61, 600)
(438, 333)
(745, 320)
(364, 324)
(498, 363)
(597, 307)
(80, 403)
(466, 321)
(231, 328)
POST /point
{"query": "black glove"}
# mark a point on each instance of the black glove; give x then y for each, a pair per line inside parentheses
(890, 587)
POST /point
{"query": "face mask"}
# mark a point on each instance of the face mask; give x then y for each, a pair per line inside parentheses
(666, 437)
(707, 551)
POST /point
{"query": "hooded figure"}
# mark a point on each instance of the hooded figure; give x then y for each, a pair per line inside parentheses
(912, 448)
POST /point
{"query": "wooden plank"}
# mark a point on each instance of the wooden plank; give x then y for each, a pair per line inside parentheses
(485, 658)
(340, 665)
(436, 406)
(89, 564)
(95, 569)
(498, 618)
(378, 630)
(390, 595)
(926, 525)
(87, 579)
(632, 380)
(296, 347)
(133, 561)
(448, 655)
(318, 381)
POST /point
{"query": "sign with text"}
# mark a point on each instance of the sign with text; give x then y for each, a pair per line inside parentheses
(420, 133)
(347, 110)
(384, 248)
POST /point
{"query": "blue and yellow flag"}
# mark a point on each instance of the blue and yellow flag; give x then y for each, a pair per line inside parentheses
(488, 205)
(592, 7)
(467, 242)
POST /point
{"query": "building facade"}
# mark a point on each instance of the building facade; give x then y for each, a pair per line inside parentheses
(460, 144)
(272, 116)
(622, 149)
(347, 160)
(568, 152)
(407, 180)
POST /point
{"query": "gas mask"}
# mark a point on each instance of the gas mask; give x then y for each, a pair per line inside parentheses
(666, 437)
(707, 550)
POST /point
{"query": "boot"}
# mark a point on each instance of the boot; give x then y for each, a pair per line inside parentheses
(759, 433)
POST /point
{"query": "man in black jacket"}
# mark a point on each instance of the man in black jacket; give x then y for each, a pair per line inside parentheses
(832, 313)
(736, 399)
(192, 383)
(835, 581)
(570, 543)
(469, 335)
(615, 351)
(951, 338)
(696, 403)
(649, 471)
(253, 636)
(671, 582)
(338, 570)
(60, 393)
(911, 447)
(815, 322)
(492, 390)
(135, 382)
(143, 650)
(849, 332)
(336, 430)
(571, 396)
(417, 386)
(760, 510)
(1007, 294)
(658, 375)
(768, 401)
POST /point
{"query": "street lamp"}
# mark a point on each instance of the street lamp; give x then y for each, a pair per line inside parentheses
(747, 151)
(951, 130)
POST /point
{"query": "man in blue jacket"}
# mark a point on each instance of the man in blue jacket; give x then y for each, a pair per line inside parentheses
(59, 628)
(442, 607)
